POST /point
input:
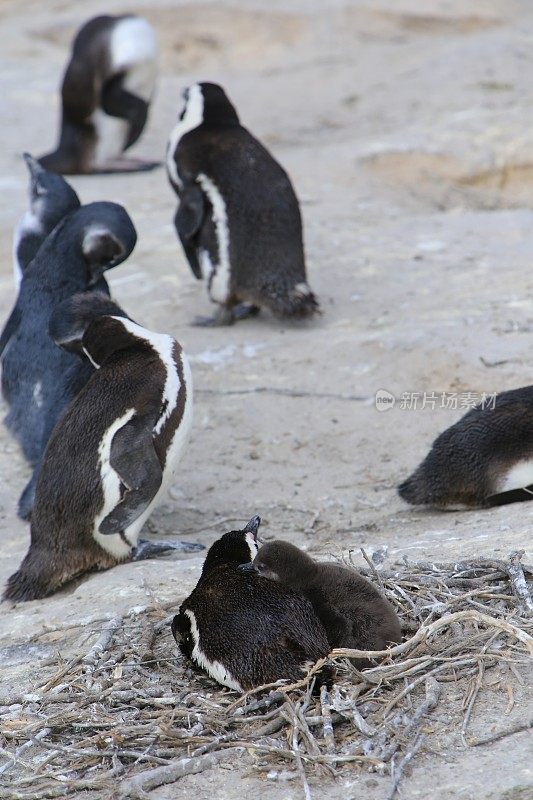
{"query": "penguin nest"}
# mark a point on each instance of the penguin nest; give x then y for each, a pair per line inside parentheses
(127, 714)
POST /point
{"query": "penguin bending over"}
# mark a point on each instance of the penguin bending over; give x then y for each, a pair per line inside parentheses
(111, 455)
(244, 630)
(51, 199)
(106, 92)
(238, 217)
(38, 379)
(484, 460)
(352, 611)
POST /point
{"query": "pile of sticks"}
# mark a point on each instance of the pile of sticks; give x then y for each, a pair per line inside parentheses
(128, 712)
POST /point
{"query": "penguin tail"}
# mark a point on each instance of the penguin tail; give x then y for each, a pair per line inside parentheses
(413, 490)
(32, 581)
(298, 302)
(23, 586)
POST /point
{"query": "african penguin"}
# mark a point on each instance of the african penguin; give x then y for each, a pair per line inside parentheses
(38, 379)
(112, 454)
(352, 611)
(106, 92)
(51, 198)
(244, 630)
(238, 217)
(485, 459)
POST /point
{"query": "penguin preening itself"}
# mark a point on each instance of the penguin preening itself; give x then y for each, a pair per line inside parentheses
(238, 217)
(111, 455)
(38, 379)
(51, 199)
(105, 96)
(244, 630)
(485, 459)
(354, 614)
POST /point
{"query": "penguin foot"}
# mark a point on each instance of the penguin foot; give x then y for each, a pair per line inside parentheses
(222, 318)
(227, 316)
(146, 549)
(125, 165)
(244, 310)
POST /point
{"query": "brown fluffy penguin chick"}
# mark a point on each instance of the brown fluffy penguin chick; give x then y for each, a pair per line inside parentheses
(244, 630)
(352, 611)
(485, 459)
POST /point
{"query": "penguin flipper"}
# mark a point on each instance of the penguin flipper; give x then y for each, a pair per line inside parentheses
(135, 461)
(118, 102)
(188, 221)
(10, 327)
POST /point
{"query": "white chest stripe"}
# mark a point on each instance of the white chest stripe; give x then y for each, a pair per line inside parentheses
(519, 476)
(30, 223)
(110, 482)
(192, 118)
(214, 668)
(111, 133)
(133, 49)
(252, 544)
(164, 346)
(220, 280)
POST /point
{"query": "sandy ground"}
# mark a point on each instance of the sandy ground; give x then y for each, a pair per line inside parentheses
(407, 128)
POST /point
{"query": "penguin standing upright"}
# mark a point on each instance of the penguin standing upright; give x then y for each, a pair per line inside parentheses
(485, 459)
(38, 379)
(352, 611)
(112, 454)
(106, 92)
(244, 630)
(51, 199)
(238, 217)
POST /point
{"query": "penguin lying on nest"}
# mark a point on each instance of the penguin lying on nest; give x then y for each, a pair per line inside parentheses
(113, 452)
(352, 611)
(51, 199)
(484, 460)
(38, 379)
(106, 92)
(238, 218)
(244, 630)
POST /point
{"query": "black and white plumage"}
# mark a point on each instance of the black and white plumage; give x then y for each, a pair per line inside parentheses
(38, 379)
(485, 459)
(105, 96)
(244, 630)
(238, 217)
(112, 454)
(353, 612)
(51, 199)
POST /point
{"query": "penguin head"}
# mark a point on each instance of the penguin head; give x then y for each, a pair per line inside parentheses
(107, 236)
(106, 335)
(235, 547)
(282, 561)
(208, 103)
(51, 197)
(71, 318)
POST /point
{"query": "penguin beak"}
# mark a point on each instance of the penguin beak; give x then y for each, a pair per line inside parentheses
(33, 165)
(247, 567)
(253, 526)
(36, 172)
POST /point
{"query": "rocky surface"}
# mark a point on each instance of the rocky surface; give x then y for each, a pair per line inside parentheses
(408, 134)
